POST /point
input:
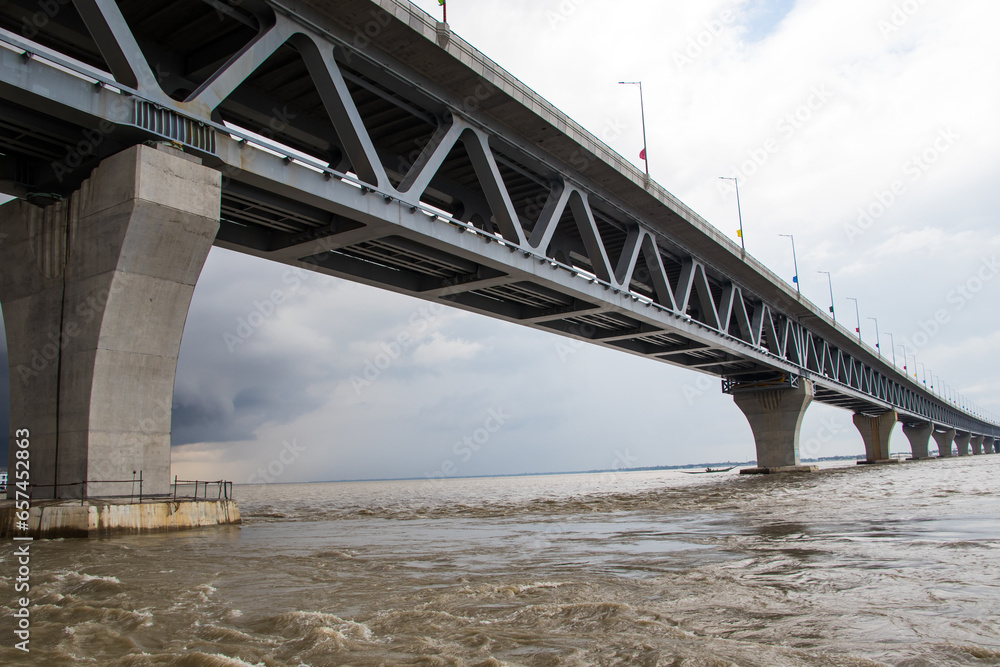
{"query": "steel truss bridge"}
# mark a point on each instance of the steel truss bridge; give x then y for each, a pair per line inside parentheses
(364, 140)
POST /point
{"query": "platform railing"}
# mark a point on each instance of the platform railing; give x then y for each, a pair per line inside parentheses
(202, 490)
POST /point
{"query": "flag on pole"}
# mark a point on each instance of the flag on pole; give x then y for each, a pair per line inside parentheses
(739, 233)
(642, 154)
(443, 3)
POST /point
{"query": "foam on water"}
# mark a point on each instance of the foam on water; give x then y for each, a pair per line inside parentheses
(852, 566)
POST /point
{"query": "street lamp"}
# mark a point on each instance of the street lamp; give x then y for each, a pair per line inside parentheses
(795, 263)
(923, 370)
(892, 346)
(829, 279)
(738, 209)
(858, 313)
(914, 366)
(878, 348)
(642, 109)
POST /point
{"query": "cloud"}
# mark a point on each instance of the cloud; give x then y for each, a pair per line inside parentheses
(439, 350)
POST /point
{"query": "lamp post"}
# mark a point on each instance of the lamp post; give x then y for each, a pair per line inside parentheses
(892, 346)
(739, 210)
(914, 357)
(878, 348)
(795, 263)
(923, 370)
(858, 313)
(642, 110)
(829, 279)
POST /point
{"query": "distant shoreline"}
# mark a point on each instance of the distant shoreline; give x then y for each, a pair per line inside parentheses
(685, 466)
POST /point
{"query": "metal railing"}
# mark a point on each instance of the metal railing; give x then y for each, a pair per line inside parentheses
(222, 489)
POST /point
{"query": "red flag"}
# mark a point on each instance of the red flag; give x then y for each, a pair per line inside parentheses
(642, 154)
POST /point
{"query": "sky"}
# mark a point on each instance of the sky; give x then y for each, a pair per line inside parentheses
(865, 128)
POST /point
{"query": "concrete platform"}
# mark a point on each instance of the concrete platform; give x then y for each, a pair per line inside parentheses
(68, 518)
(777, 469)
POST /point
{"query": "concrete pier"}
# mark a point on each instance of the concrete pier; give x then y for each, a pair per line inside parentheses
(93, 518)
(919, 436)
(976, 442)
(875, 431)
(944, 441)
(775, 416)
(962, 443)
(95, 291)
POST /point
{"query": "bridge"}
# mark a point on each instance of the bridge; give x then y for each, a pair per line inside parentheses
(364, 140)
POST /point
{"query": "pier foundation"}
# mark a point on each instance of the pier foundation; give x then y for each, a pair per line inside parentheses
(944, 441)
(962, 443)
(875, 431)
(775, 416)
(94, 518)
(95, 291)
(919, 436)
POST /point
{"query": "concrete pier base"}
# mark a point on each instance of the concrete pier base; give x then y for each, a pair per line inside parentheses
(875, 431)
(919, 436)
(95, 291)
(67, 518)
(778, 469)
(944, 441)
(775, 416)
(989, 445)
(962, 443)
(976, 443)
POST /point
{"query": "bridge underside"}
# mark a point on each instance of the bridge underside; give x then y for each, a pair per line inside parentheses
(382, 149)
